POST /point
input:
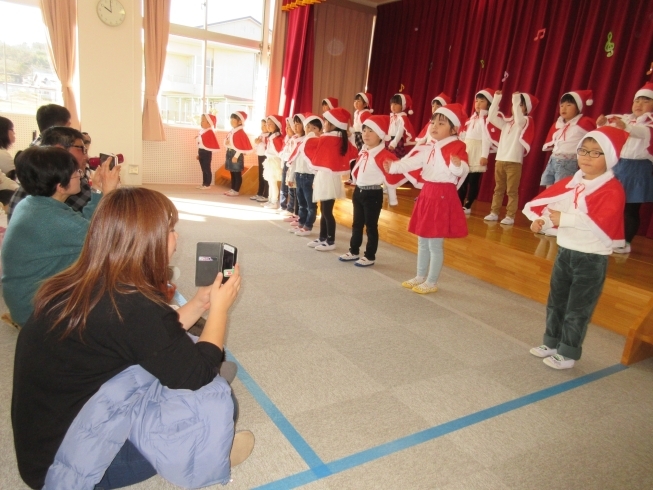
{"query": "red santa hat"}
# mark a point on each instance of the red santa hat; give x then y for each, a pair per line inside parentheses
(367, 97)
(210, 118)
(488, 93)
(276, 119)
(442, 98)
(332, 102)
(406, 103)
(379, 124)
(240, 115)
(309, 118)
(455, 113)
(611, 140)
(531, 102)
(645, 91)
(582, 98)
(339, 117)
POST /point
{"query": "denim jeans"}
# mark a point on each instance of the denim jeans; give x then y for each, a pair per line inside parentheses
(576, 284)
(430, 256)
(557, 169)
(307, 208)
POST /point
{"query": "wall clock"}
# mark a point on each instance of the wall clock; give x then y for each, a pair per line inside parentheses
(111, 12)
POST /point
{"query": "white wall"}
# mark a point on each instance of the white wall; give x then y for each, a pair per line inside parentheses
(110, 73)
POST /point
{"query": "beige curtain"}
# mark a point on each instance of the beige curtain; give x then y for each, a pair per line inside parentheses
(342, 46)
(277, 51)
(156, 26)
(60, 18)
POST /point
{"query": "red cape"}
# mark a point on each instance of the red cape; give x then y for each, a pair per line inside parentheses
(383, 156)
(323, 153)
(238, 140)
(584, 122)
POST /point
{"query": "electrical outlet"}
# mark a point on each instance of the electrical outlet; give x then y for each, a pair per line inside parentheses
(133, 169)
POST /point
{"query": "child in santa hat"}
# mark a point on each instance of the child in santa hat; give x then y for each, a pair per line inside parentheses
(438, 101)
(437, 214)
(478, 141)
(402, 133)
(369, 176)
(261, 142)
(634, 167)
(286, 203)
(272, 163)
(362, 106)
(329, 156)
(514, 144)
(304, 175)
(238, 145)
(329, 103)
(587, 209)
(207, 143)
(564, 136)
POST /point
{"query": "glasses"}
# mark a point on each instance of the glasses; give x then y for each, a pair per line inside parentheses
(77, 174)
(582, 152)
(82, 148)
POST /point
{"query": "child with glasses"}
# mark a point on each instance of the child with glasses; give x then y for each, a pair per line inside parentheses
(587, 209)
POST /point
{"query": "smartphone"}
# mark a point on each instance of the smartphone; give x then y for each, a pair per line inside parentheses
(112, 163)
(229, 257)
(208, 263)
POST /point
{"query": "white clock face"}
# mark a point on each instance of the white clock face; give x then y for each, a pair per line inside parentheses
(111, 12)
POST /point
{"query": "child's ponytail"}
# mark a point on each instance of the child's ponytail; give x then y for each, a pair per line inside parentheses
(344, 145)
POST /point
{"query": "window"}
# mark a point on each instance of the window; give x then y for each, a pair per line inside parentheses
(27, 80)
(214, 61)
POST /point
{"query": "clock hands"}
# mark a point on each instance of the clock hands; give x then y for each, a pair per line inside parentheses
(110, 5)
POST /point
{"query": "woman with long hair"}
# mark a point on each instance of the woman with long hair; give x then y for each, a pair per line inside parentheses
(104, 314)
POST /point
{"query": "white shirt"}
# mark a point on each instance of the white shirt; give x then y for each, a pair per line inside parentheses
(639, 140)
(476, 130)
(369, 172)
(6, 161)
(567, 137)
(357, 125)
(429, 158)
(396, 130)
(510, 148)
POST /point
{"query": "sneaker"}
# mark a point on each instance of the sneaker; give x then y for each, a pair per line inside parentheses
(293, 228)
(622, 250)
(231, 193)
(411, 283)
(289, 218)
(254, 198)
(543, 351)
(348, 257)
(325, 247)
(425, 288)
(507, 221)
(559, 362)
(285, 212)
(202, 187)
(491, 217)
(242, 447)
(467, 210)
(271, 205)
(261, 199)
(316, 242)
(303, 232)
(363, 262)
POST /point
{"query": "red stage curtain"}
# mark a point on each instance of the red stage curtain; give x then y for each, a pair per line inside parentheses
(459, 47)
(297, 88)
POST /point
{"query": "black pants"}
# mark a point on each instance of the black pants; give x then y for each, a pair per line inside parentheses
(236, 180)
(262, 183)
(283, 190)
(327, 222)
(631, 220)
(367, 208)
(205, 163)
(473, 184)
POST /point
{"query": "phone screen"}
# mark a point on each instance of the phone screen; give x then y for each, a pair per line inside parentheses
(228, 261)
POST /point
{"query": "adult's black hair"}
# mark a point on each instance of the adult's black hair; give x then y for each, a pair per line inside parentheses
(5, 196)
(483, 97)
(569, 98)
(41, 168)
(396, 99)
(5, 126)
(61, 136)
(51, 115)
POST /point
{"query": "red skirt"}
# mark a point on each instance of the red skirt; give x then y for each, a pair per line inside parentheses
(438, 212)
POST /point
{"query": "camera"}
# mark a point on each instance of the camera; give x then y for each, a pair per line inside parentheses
(95, 162)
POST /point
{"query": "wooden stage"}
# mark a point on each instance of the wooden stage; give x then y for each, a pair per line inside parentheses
(515, 258)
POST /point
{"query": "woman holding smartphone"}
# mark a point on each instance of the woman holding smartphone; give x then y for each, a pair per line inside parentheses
(104, 316)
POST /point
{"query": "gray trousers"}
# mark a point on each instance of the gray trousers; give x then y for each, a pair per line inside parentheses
(576, 285)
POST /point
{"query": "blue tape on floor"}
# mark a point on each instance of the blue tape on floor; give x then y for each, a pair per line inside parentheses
(286, 428)
(386, 449)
